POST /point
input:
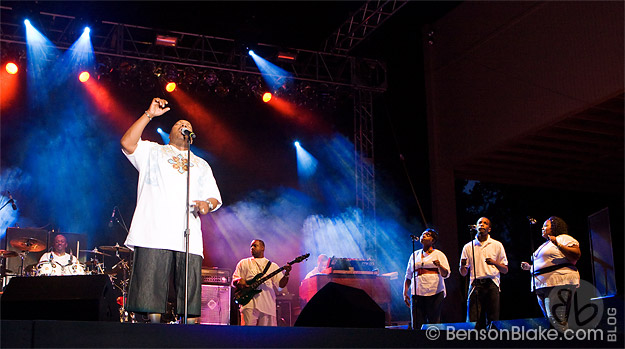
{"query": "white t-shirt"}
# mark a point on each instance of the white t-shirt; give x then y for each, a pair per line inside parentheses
(547, 255)
(159, 219)
(427, 284)
(63, 260)
(490, 248)
(265, 301)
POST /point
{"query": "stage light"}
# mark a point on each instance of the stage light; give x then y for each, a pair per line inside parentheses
(267, 97)
(159, 130)
(276, 77)
(87, 30)
(163, 40)
(170, 87)
(27, 22)
(251, 52)
(287, 56)
(84, 76)
(296, 143)
(11, 68)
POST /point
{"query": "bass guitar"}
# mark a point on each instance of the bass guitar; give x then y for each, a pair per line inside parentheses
(245, 295)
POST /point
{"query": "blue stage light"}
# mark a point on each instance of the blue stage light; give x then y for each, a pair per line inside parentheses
(87, 30)
(159, 130)
(274, 76)
(296, 143)
(27, 22)
(251, 52)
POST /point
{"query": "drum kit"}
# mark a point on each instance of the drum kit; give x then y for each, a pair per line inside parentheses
(119, 274)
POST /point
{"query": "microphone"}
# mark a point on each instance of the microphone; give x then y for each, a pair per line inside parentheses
(13, 205)
(532, 220)
(472, 227)
(112, 217)
(187, 133)
(414, 237)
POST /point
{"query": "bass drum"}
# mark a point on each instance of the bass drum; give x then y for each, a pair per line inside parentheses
(49, 269)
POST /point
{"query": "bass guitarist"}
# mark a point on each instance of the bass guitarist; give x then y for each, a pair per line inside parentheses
(261, 309)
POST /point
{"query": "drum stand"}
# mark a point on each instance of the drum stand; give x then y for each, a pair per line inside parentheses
(125, 316)
(22, 255)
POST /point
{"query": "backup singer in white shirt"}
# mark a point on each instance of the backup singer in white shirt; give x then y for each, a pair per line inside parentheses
(485, 269)
(431, 268)
(554, 275)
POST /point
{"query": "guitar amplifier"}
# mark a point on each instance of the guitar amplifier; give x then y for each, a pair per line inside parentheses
(215, 305)
(215, 276)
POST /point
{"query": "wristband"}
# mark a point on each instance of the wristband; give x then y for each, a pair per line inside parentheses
(148, 115)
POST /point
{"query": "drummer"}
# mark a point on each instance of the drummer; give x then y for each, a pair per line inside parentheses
(58, 254)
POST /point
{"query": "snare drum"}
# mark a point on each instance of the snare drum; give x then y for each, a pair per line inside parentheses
(49, 269)
(75, 269)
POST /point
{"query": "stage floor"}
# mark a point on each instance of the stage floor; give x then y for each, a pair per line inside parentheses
(84, 334)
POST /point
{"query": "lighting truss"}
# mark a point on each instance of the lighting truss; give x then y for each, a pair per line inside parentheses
(136, 42)
(361, 24)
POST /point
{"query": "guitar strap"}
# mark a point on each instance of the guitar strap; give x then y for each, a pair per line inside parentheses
(266, 267)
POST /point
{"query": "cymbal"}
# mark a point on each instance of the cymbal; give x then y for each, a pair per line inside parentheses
(29, 244)
(95, 250)
(115, 248)
(6, 254)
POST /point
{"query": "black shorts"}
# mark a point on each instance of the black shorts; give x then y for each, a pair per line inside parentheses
(149, 281)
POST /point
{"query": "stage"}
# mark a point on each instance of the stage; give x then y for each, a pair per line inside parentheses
(84, 334)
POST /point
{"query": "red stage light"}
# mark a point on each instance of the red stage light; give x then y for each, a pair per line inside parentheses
(11, 68)
(170, 87)
(267, 97)
(84, 76)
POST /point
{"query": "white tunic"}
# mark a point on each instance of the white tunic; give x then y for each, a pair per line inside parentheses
(265, 301)
(427, 284)
(159, 218)
(547, 255)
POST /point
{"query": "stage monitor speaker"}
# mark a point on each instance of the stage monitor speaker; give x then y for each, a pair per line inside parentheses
(79, 297)
(337, 305)
(215, 305)
(455, 326)
(526, 324)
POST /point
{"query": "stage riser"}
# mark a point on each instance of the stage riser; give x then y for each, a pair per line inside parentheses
(72, 334)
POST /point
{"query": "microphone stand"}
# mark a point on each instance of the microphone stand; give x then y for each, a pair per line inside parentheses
(473, 267)
(6, 203)
(414, 278)
(532, 222)
(187, 231)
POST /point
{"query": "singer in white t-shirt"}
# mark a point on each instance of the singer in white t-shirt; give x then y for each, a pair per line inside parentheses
(157, 232)
(429, 267)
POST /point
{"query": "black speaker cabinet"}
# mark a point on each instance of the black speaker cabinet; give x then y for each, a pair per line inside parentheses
(80, 298)
(215, 305)
(337, 305)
